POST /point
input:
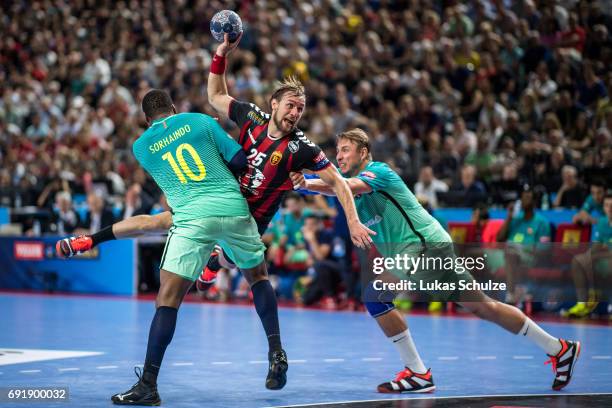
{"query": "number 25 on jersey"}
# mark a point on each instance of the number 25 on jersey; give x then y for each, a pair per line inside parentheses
(182, 168)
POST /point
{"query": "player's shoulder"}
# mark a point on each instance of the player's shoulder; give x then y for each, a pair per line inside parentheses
(298, 141)
(253, 112)
(376, 169)
(195, 117)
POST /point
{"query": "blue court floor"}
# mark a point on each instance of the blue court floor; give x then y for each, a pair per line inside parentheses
(218, 355)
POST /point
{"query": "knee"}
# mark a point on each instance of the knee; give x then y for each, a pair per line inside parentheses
(483, 310)
(168, 296)
(161, 221)
(377, 309)
(256, 274)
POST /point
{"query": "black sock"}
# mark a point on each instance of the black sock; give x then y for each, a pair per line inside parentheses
(105, 234)
(213, 263)
(160, 335)
(267, 309)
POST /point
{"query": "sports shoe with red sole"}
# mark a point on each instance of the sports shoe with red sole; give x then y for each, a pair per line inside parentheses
(564, 362)
(71, 246)
(207, 278)
(409, 381)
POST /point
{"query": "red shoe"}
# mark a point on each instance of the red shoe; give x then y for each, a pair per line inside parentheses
(207, 278)
(69, 247)
(564, 362)
(408, 381)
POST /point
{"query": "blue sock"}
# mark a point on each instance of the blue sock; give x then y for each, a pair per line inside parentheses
(160, 335)
(267, 309)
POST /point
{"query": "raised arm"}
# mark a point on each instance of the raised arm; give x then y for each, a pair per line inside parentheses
(218, 95)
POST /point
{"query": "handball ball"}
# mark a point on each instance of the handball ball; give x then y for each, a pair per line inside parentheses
(226, 21)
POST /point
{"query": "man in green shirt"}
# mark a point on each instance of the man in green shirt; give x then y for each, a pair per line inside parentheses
(186, 154)
(524, 232)
(592, 208)
(387, 206)
(594, 262)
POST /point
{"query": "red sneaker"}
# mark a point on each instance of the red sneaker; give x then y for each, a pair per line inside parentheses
(207, 278)
(564, 362)
(69, 247)
(408, 381)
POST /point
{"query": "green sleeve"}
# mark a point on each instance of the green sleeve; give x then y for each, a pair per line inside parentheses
(378, 176)
(226, 144)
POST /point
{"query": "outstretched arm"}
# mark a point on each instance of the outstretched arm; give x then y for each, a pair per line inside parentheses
(218, 95)
(357, 186)
(360, 234)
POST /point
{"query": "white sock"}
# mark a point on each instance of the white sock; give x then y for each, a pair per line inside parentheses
(544, 340)
(408, 352)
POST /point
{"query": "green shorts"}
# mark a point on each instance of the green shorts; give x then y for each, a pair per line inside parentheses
(439, 270)
(190, 243)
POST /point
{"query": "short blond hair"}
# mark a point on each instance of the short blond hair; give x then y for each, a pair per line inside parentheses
(290, 85)
(359, 137)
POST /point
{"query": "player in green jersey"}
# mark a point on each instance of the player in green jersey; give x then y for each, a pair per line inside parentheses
(186, 154)
(387, 206)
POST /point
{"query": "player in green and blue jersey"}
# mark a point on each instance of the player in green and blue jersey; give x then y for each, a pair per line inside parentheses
(388, 207)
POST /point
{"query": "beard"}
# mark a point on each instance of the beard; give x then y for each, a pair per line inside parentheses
(280, 125)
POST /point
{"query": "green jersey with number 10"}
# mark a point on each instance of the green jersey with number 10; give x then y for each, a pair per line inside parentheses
(186, 154)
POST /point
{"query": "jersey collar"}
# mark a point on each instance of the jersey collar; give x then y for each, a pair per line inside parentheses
(160, 120)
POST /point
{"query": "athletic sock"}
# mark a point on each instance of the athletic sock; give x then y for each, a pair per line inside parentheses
(267, 309)
(545, 341)
(213, 263)
(105, 234)
(408, 352)
(160, 335)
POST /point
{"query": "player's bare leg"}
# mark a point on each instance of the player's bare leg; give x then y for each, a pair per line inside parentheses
(173, 289)
(563, 354)
(267, 309)
(130, 227)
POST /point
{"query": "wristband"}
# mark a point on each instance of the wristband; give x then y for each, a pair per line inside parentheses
(217, 66)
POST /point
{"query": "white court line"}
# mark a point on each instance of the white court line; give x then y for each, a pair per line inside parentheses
(258, 362)
(522, 357)
(182, 364)
(297, 361)
(486, 357)
(443, 398)
(333, 360)
(371, 359)
(107, 367)
(69, 369)
(601, 357)
(221, 362)
(29, 371)
(449, 358)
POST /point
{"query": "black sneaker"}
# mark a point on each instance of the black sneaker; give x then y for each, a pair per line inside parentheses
(277, 371)
(141, 393)
(564, 362)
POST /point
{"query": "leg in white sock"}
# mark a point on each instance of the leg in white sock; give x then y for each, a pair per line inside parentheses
(394, 326)
(545, 341)
(408, 352)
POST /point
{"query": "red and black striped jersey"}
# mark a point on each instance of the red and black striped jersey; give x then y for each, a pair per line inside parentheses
(270, 160)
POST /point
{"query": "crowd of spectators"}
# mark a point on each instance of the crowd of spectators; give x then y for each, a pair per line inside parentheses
(466, 100)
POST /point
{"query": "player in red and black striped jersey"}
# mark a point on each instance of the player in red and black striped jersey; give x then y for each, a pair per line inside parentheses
(271, 159)
(275, 146)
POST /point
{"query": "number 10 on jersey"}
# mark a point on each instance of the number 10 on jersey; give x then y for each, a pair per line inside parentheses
(184, 167)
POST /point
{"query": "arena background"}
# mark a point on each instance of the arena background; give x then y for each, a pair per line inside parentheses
(470, 102)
